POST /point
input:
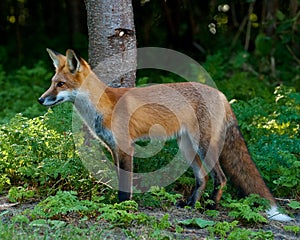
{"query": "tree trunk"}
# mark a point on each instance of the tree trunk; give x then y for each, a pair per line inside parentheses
(75, 8)
(293, 7)
(270, 8)
(112, 41)
(74, 12)
(19, 39)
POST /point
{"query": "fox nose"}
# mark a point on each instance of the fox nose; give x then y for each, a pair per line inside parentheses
(41, 100)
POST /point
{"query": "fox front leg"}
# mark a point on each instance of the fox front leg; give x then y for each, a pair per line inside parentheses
(124, 169)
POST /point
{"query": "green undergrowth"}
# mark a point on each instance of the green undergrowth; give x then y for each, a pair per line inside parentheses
(66, 211)
(56, 212)
(34, 154)
(66, 216)
(20, 90)
(271, 128)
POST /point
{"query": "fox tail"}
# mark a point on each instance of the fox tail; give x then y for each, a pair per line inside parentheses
(237, 164)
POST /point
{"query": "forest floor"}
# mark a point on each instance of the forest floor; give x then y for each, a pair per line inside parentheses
(175, 215)
(196, 233)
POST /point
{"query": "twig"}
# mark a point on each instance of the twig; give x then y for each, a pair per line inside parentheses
(5, 206)
(199, 47)
(249, 68)
(295, 20)
(248, 33)
(293, 54)
(233, 14)
(240, 30)
(273, 67)
(284, 199)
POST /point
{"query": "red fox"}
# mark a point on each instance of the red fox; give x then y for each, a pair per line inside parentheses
(199, 116)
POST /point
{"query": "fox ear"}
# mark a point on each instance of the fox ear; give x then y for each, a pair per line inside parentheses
(55, 57)
(73, 62)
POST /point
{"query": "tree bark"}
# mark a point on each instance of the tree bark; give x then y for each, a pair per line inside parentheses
(270, 8)
(293, 7)
(112, 41)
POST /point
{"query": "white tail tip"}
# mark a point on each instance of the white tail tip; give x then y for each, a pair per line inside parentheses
(274, 214)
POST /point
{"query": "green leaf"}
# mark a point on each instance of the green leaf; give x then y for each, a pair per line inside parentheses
(39, 223)
(280, 16)
(57, 223)
(20, 219)
(201, 223)
(295, 229)
(294, 205)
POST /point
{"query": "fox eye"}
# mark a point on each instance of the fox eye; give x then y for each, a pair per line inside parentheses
(60, 84)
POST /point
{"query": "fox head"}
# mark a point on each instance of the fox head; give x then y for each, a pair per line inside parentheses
(70, 72)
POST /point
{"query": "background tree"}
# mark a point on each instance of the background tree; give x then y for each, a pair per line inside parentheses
(111, 37)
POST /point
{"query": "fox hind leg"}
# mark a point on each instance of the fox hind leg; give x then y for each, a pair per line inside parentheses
(211, 161)
(219, 183)
(201, 177)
